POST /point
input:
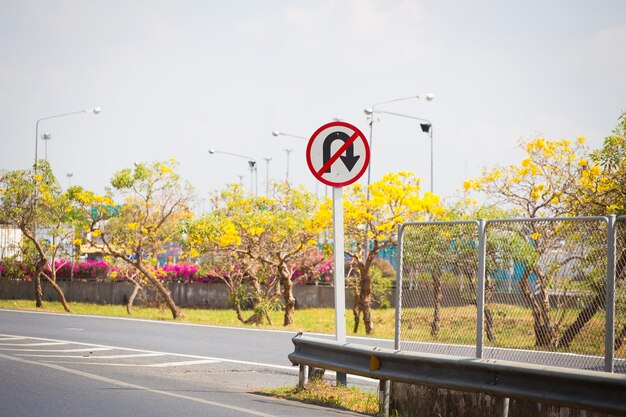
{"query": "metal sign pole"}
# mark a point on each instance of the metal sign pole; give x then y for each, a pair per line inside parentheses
(330, 166)
(339, 268)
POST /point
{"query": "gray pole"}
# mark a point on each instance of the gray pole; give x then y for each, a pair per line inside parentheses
(480, 288)
(339, 267)
(609, 345)
(432, 175)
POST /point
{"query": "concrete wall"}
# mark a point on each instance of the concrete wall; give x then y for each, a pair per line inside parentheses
(420, 401)
(213, 295)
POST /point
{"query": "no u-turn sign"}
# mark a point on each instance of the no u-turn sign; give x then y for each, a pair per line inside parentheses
(338, 154)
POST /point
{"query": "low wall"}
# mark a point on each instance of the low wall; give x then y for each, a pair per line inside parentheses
(214, 295)
(420, 401)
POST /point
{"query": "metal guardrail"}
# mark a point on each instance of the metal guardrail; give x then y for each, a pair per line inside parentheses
(596, 391)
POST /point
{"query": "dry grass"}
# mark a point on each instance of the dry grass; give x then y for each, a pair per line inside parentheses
(321, 393)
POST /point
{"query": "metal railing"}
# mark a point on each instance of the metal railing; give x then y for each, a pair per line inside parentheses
(597, 391)
(543, 291)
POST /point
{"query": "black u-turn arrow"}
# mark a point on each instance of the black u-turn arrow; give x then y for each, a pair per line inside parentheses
(349, 160)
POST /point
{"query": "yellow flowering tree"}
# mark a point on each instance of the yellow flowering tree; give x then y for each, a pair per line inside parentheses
(543, 181)
(371, 224)
(153, 200)
(265, 240)
(602, 185)
(602, 191)
(38, 207)
(544, 184)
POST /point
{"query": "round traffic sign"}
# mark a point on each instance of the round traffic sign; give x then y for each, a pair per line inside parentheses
(338, 154)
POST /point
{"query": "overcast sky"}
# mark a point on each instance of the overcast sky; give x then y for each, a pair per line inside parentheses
(177, 78)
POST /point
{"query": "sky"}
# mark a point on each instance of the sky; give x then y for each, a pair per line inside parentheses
(177, 78)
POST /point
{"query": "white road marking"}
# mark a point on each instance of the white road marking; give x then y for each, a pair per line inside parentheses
(291, 369)
(12, 338)
(131, 365)
(35, 344)
(91, 349)
(134, 355)
(137, 387)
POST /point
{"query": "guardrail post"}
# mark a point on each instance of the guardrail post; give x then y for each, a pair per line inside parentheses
(502, 407)
(303, 376)
(609, 331)
(385, 390)
(480, 288)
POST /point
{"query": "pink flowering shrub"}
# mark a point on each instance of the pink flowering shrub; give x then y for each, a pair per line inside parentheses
(92, 270)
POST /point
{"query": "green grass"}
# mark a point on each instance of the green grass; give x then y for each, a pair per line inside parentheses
(321, 393)
(513, 324)
(313, 320)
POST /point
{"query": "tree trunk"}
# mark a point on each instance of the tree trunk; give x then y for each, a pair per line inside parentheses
(288, 298)
(365, 299)
(437, 299)
(619, 339)
(598, 303)
(164, 292)
(544, 332)
(131, 299)
(59, 293)
(489, 325)
(38, 289)
(239, 312)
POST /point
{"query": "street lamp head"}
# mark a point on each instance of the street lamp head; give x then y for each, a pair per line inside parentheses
(368, 111)
(46, 136)
(95, 110)
(425, 127)
(212, 151)
(429, 96)
(275, 133)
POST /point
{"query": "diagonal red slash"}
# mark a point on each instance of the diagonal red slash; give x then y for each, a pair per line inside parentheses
(337, 154)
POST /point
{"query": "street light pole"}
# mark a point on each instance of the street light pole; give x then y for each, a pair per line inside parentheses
(426, 126)
(251, 165)
(287, 151)
(267, 176)
(95, 110)
(277, 133)
(371, 111)
(46, 137)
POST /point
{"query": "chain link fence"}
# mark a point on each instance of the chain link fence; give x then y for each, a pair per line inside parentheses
(620, 289)
(524, 290)
(546, 282)
(439, 278)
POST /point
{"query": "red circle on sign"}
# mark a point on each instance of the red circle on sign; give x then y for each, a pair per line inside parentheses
(329, 160)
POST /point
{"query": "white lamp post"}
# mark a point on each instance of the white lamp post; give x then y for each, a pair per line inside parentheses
(425, 125)
(251, 165)
(95, 110)
(267, 176)
(372, 110)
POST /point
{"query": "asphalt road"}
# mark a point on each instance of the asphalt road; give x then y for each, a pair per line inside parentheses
(70, 365)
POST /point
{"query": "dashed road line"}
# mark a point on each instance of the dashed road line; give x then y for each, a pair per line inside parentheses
(137, 387)
(91, 349)
(36, 344)
(134, 355)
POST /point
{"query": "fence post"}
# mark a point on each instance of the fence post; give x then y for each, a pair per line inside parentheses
(609, 337)
(480, 288)
(399, 286)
